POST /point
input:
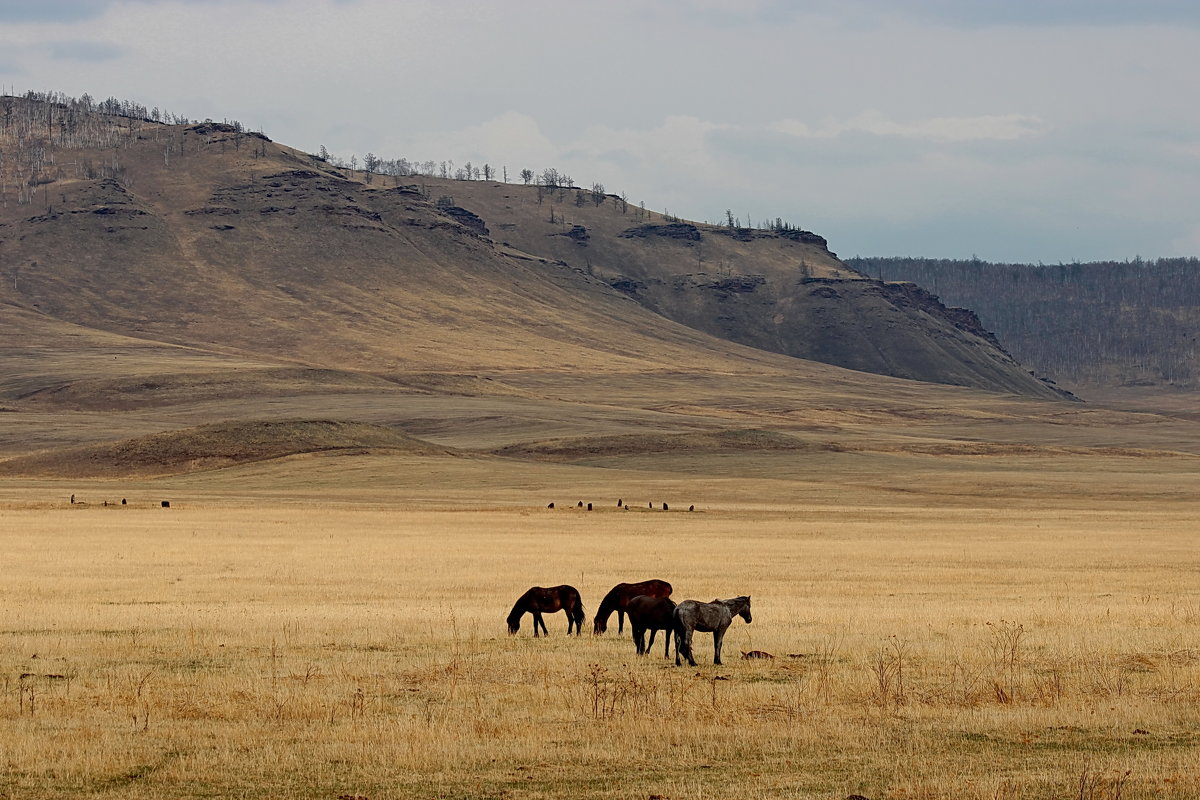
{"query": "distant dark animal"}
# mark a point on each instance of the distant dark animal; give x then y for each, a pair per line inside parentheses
(618, 598)
(589, 506)
(539, 600)
(72, 499)
(550, 506)
(652, 614)
(714, 617)
(619, 503)
(665, 507)
(166, 503)
(123, 502)
(691, 508)
(579, 504)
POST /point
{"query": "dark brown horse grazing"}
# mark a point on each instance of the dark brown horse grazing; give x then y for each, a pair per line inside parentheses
(618, 598)
(650, 614)
(539, 600)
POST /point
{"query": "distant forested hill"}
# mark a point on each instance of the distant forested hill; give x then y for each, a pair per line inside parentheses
(1105, 323)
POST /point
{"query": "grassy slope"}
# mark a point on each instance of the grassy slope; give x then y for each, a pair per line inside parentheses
(250, 283)
(757, 288)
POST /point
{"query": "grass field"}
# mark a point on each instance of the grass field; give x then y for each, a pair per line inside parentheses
(317, 641)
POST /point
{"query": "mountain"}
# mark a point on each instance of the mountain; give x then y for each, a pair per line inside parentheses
(779, 289)
(206, 236)
(1094, 325)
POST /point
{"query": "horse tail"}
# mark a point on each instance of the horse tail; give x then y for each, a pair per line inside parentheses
(572, 601)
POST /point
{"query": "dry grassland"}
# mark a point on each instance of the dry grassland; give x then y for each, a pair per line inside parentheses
(293, 649)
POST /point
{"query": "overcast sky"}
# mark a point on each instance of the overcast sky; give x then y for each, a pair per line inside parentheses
(1048, 130)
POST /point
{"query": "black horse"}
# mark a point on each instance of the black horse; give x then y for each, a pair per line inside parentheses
(652, 614)
(618, 598)
(539, 600)
(692, 615)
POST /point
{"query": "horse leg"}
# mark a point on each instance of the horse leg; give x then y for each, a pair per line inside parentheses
(537, 620)
(639, 639)
(687, 648)
(667, 637)
(650, 646)
(718, 639)
(620, 621)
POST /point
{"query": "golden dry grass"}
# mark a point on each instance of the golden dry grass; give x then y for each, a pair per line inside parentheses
(255, 640)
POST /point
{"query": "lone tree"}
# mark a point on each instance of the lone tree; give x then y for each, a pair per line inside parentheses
(527, 176)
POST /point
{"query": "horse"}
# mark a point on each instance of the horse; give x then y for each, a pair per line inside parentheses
(618, 598)
(652, 614)
(714, 617)
(539, 600)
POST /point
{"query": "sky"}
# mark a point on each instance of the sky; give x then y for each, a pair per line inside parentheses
(1045, 131)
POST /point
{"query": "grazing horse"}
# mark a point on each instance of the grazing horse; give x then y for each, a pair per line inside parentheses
(652, 614)
(692, 615)
(618, 598)
(539, 600)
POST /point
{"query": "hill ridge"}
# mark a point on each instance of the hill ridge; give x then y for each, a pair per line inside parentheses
(205, 235)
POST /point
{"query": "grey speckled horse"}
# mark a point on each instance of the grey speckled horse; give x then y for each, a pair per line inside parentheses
(714, 617)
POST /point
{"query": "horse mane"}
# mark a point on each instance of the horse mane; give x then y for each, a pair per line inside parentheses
(737, 605)
(518, 611)
(609, 604)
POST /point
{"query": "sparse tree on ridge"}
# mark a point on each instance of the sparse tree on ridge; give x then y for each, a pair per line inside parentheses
(527, 176)
(370, 165)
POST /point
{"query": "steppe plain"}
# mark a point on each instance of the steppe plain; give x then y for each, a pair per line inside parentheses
(950, 616)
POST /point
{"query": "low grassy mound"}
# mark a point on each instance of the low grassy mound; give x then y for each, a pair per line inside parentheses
(215, 446)
(128, 392)
(632, 444)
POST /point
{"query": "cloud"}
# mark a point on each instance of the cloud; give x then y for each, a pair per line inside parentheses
(1018, 13)
(937, 129)
(82, 50)
(52, 10)
(510, 138)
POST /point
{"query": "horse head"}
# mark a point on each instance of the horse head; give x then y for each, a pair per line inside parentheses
(744, 611)
(599, 626)
(514, 623)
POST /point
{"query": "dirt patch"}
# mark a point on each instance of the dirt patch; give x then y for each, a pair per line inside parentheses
(215, 446)
(654, 443)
